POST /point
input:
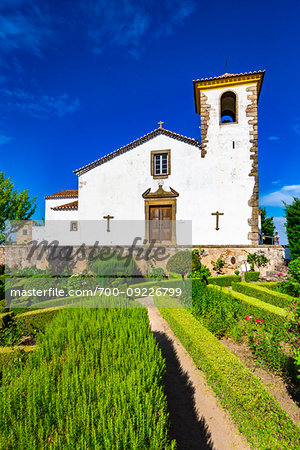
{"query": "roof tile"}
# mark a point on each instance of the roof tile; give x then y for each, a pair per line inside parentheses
(70, 193)
(134, 144)
(66, 207)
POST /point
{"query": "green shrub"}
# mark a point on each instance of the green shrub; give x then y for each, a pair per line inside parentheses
(2, 268)
(289, 287)
(266, 347)
(12, 359)
(94, 381)
(257, 260)
(212, 308)
(180, 262)
(251, 276)
(218, 265)
(266, 295)
(32, 322)
(250, 306)
(113, 265)
(224, 280)
(257, 414)
(157, 272)
(2, 287)
(294, 268)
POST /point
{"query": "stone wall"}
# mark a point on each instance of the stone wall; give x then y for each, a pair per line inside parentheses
(251, 113)
(233, 256)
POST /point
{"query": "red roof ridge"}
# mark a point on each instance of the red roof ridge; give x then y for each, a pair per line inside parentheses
(69, 193)
(134, 144)
(67, 206)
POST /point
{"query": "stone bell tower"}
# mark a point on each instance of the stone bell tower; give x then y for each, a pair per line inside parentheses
(227, 105)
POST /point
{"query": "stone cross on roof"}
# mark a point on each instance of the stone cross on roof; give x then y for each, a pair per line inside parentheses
(160, 123)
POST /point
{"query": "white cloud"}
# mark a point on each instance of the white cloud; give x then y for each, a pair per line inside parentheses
(296, 127)
(40, 105)
(4, 139)
(285, 194)
(275, 182)
(23, 26)
(132, 24)
(273, 138)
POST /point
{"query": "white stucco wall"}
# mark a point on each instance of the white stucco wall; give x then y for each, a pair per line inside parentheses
(59, 215)
(218, 182)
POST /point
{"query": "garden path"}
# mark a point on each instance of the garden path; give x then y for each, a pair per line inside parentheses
(198, 421)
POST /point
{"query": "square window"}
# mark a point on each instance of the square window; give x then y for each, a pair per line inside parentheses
(73, 226)
(24, 232)
(160, 163)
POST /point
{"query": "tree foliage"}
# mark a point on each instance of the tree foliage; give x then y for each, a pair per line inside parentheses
(180, 262)
(13, 205)
(292, 225)
(267, 223)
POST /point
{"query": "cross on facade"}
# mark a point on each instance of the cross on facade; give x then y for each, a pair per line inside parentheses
(160, 123)
(108, 217)
(217, 214)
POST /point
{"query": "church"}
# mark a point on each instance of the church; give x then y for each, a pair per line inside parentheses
(170, 184)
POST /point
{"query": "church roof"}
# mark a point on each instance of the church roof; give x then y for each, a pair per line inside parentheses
(70, 193)
(229, 75)
(137, 142)
(67, 207)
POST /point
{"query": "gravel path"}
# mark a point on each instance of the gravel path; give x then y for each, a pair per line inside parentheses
(198, 421)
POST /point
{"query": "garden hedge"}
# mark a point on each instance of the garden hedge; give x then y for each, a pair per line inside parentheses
(34, 321)
(224, 280)
(257, 414)
(264, 294)
(8, 354)
(251, 276)
(252, 306)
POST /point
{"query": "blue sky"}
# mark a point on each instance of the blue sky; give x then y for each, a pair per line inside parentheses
(79, 81)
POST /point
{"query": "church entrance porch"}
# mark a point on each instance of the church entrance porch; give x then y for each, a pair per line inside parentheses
(160, 227)
(160, 215)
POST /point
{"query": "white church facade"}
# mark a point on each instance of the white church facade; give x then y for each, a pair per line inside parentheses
(164, 180)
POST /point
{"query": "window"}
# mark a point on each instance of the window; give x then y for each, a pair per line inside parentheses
(160, 164)
(73, 226)
(228, 112)
(24, 232)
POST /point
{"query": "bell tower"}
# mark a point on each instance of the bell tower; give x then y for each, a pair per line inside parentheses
(227, 106)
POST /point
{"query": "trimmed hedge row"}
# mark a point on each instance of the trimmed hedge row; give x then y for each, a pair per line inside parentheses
(266, 295)
(224, 280)
(34, 321)
(251, 276)
(252, 306)
(9, 354)
(257, 414)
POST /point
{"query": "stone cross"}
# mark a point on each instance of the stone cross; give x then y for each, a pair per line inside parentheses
(160, 123)
(217, 214)
(108, 217)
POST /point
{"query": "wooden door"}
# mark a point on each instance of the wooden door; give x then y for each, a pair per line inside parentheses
(160, 223)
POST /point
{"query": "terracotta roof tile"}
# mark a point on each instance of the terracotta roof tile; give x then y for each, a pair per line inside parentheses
(229, 75)
(67, 206)
(134, 144)
(70, 193)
